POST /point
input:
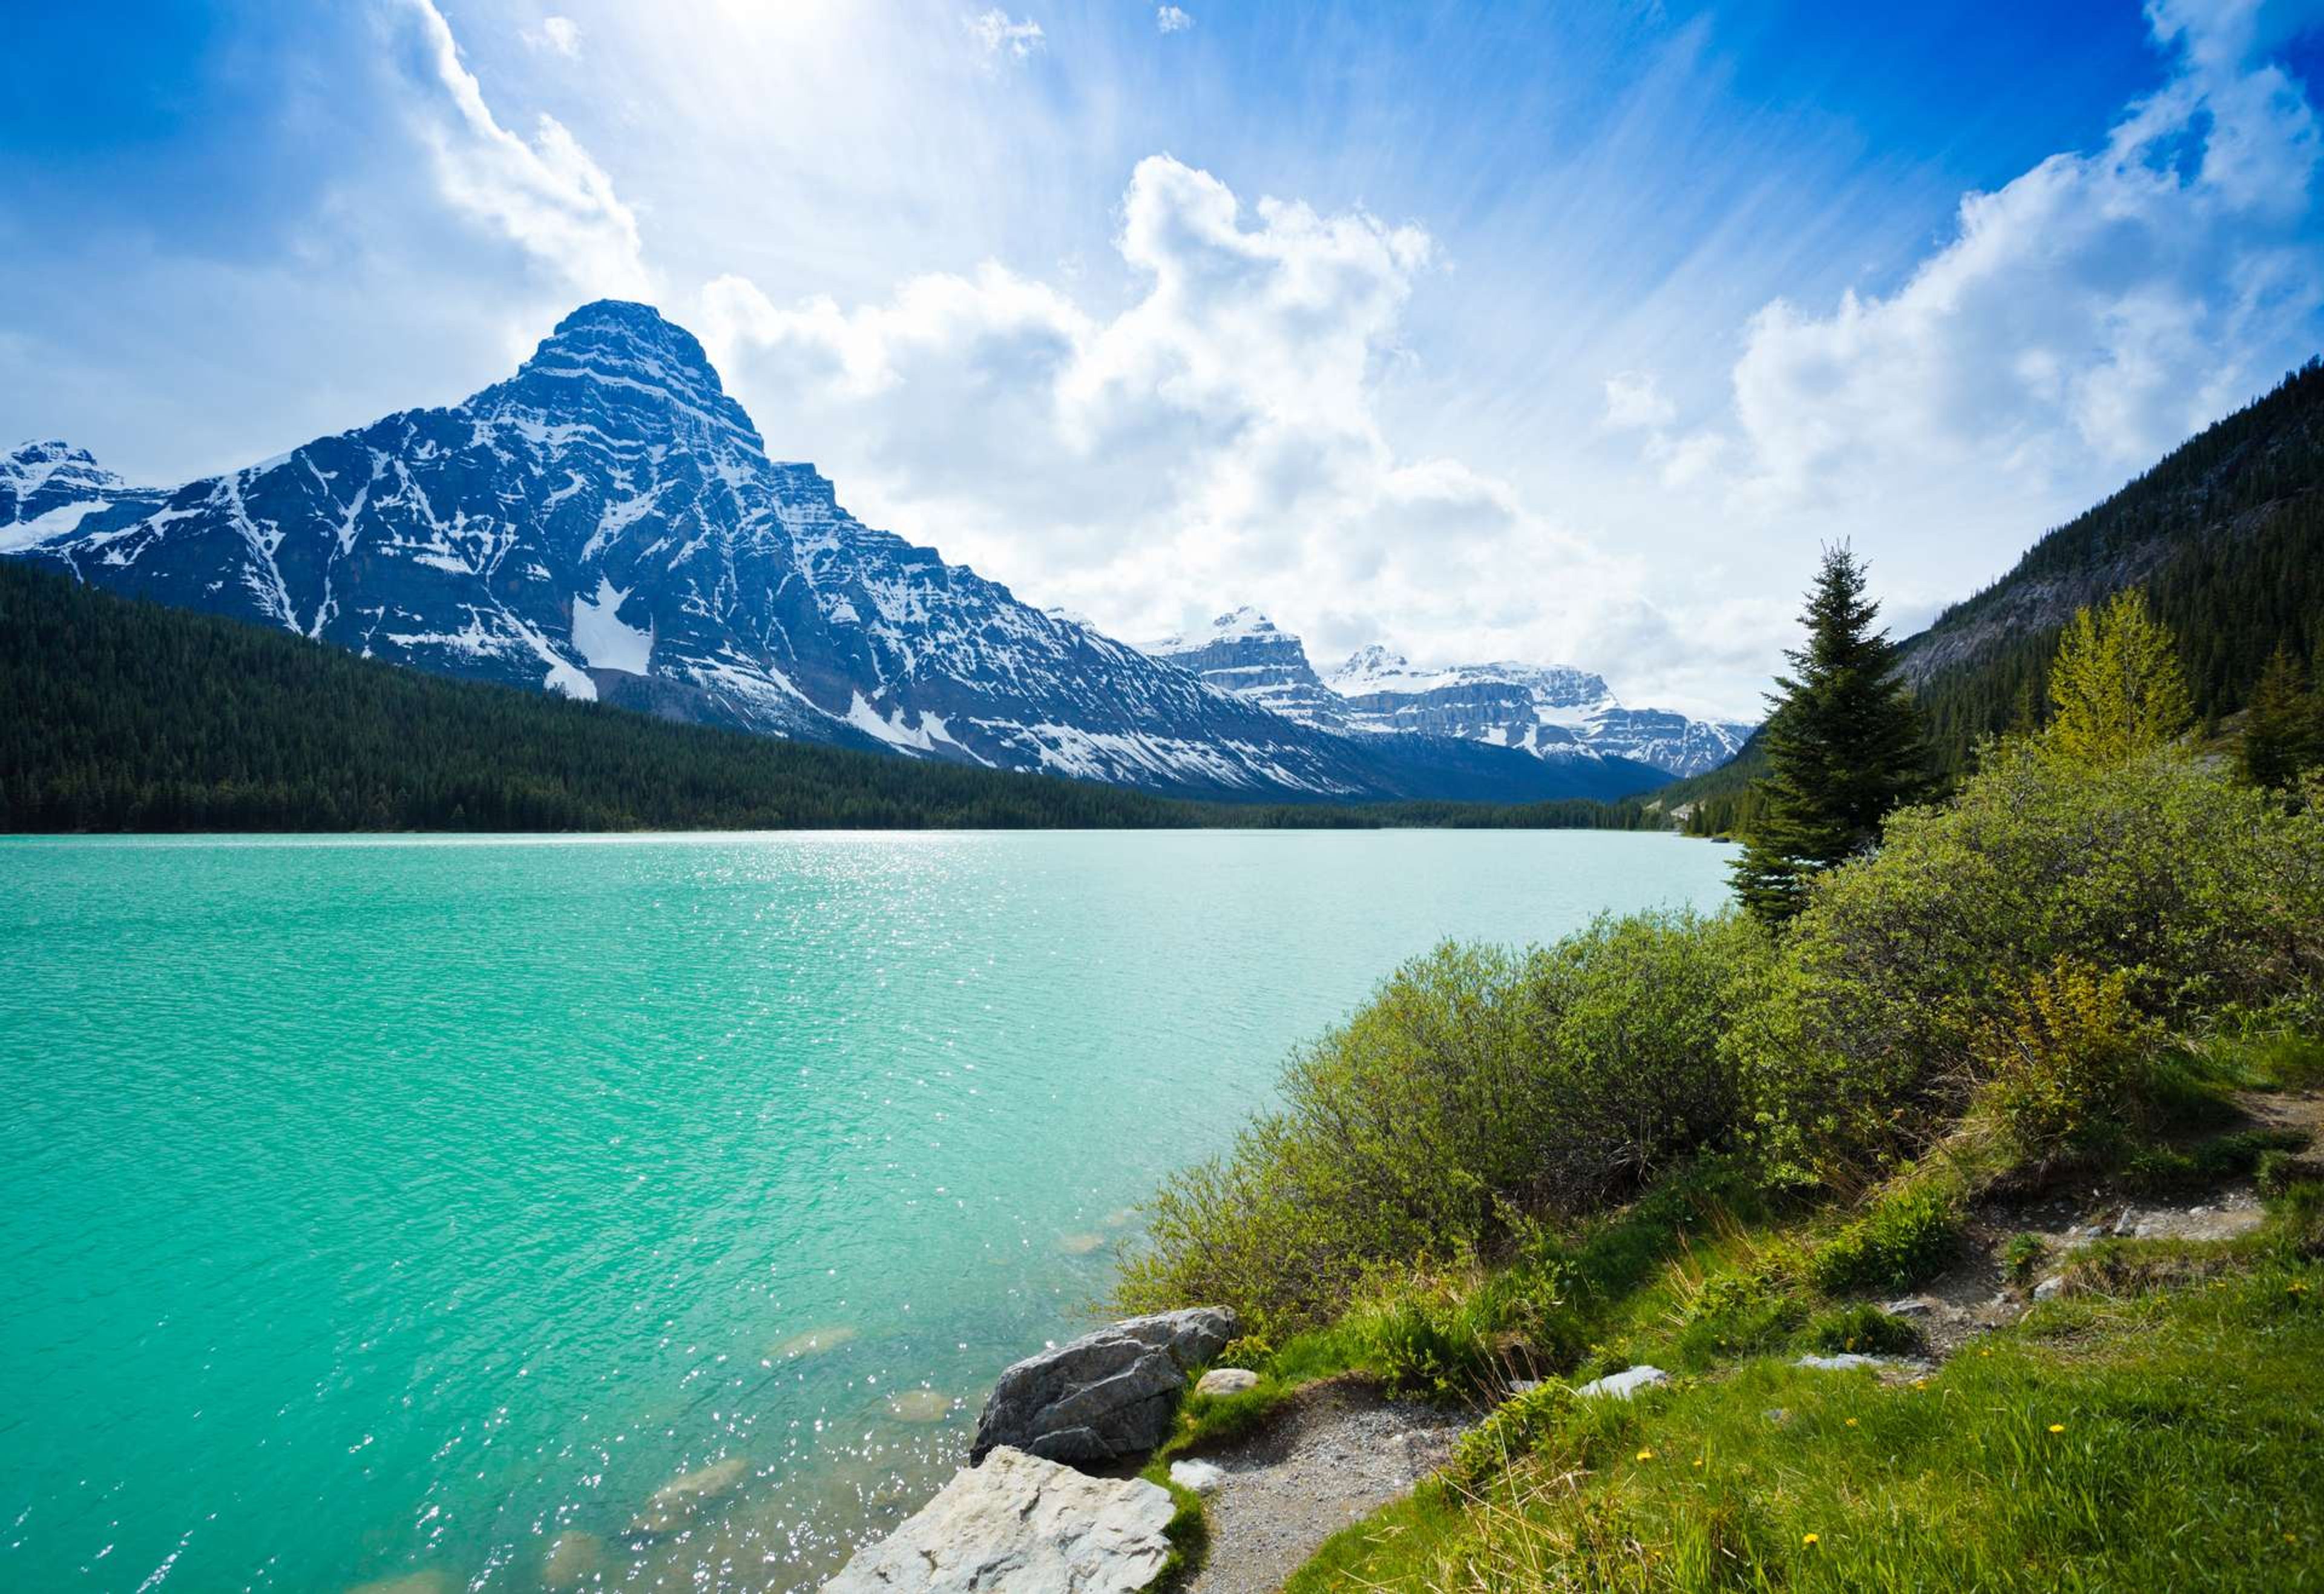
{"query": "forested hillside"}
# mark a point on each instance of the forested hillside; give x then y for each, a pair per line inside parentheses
(127, 715)
(2225, 534)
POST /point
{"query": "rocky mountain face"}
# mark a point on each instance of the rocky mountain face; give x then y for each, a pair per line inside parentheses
(1555, 713)
(1245, 653)
(607, 523)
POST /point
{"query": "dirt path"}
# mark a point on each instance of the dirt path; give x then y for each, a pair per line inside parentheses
(1338, 1452)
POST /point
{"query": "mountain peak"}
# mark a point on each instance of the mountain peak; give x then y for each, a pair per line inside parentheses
(618, 354)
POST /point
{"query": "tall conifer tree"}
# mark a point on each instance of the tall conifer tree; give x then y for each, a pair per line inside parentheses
(2116, 688)
(1844, 746)
(2283, 730)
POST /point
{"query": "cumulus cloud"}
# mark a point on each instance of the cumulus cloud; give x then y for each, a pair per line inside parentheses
(548, 196)
(1215, 441)
(1170, 19)
(999, 35)
(2084, 318)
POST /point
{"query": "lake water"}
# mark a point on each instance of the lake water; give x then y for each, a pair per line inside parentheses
(386, 1208)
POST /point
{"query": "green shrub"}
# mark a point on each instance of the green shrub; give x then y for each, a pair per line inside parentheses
(1735, 1314)
(1517, 1428)
(1473, 1089)
(1907, 1235)
(2279, 1169)
(2167, 1170)
(2066, 1061)
(2021, 1255)
(1865, 1330)
(1858, 1042)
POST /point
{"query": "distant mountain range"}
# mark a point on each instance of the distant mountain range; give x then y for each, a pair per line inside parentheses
(1555, 713)
(607, 524)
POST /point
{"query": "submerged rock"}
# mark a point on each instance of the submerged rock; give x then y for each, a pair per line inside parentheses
(1106, 1395)
(811, 1342)
(572, 1558)
(920, 1406)
(1621, 1385)
(1226, 1381)
(674, 1503)
(1019, 1522)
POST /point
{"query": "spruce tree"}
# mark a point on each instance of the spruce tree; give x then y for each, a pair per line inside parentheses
(1844, 746)
(2283, 731)
(2116, 688)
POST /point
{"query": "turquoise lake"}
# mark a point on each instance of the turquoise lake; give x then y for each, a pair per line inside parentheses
(385, 1208)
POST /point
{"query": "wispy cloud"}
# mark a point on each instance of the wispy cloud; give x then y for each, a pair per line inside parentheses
(998, 34)
(560, 34)
(1171, 19)
(547, 196)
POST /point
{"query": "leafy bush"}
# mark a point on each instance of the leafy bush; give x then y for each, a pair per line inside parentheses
(2064, 1063)
(1858, 1044)
(1738, 1314)
(2021, 1255)
(1517, 1428)
(1908, 1234)
(1865, 1330)
(1474, 1088)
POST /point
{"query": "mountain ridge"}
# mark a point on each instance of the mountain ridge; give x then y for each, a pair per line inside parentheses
(1555, 713)
(606, 523)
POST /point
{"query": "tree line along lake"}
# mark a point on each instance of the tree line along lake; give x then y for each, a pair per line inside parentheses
(398, 1207)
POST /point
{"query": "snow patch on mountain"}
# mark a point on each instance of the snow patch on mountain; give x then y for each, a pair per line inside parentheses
(603, 641)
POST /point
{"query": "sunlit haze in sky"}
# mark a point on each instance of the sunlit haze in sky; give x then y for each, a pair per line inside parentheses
(1561, 333)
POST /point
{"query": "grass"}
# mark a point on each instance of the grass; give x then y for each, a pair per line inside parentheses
(2179, 1375)
(2105, 1442)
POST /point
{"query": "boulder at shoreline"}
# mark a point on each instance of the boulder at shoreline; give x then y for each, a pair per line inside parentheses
(1019, 1522)
(1107, 1395)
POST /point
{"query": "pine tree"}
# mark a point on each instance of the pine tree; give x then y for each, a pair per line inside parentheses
(2283, 731)
(1844, 746)
(2117, 689)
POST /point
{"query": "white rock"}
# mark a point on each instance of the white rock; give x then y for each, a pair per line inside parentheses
(1020, 1523)
(1623, 1385)
(1226, 1381)
(2051, 1287)
(1910, 1306)
(1202, 1477)
(1850, 1360)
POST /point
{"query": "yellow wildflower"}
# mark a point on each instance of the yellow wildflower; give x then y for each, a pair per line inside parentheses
(1851, 1422)
(1808, 1539)
(1645, 1455)
(2057, 1427)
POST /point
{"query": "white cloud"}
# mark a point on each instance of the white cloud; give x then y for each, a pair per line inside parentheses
(2086, 317)
(1216, 441)
(1171, 19)
(1634, 400)
(548, 196)
(999, 35)
(562, 34)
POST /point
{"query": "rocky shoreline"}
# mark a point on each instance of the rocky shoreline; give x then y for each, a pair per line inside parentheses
(1022, 1516)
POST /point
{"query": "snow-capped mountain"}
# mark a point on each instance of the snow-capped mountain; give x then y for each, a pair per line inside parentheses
(1245, 653)
(1553, 712)
(607, 523)
(47, 489)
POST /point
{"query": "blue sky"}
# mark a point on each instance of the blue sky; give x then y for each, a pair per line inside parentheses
(1562, 332)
